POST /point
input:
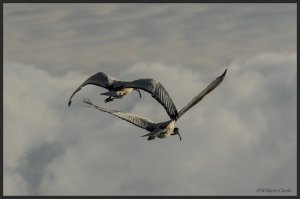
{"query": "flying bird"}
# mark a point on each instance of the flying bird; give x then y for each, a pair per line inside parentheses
(118, 89)
(160, 129)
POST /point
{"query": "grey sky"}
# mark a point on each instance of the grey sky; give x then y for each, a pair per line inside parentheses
(241, 137)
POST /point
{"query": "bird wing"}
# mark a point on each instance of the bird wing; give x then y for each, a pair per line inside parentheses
(99, 79)
(133, 119)
(156, 89)
(200, 96)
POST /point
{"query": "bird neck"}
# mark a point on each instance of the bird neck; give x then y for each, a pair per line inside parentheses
(170, 127)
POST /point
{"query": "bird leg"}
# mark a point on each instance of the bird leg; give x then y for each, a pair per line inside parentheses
(151, 138)
(109, 99)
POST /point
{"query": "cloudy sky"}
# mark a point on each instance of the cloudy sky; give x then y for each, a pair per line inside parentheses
(237, 140)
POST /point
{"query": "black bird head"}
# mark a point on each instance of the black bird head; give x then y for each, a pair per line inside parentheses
(176, 132)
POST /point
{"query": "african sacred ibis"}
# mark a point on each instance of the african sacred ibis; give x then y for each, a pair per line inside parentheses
(161, 129)
(118, 89)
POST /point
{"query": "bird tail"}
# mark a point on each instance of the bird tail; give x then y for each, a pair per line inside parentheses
(106, 93)
(153, 133)
(148, 134)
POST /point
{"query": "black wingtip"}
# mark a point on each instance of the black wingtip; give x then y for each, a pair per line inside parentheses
(224, 72)
(69, 103)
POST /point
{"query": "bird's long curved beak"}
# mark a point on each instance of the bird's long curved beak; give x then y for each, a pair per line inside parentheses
(179, 136)
(138, 90)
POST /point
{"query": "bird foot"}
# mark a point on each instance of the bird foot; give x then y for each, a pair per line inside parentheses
(108, 100)
(150, 138)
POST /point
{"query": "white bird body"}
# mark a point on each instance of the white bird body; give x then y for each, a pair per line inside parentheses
(161, 129)
(118, 93)
(167, 131)
(126, 91)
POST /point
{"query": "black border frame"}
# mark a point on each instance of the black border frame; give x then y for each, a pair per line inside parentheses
(143, 1)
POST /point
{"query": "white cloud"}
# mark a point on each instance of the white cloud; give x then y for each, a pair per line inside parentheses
(62, 37)
(242, 136)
